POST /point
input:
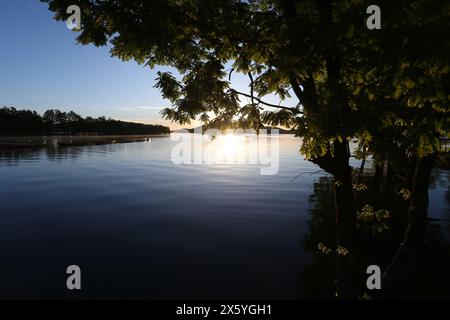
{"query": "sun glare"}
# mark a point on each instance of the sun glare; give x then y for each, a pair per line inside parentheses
(229, 148)
(230, 144)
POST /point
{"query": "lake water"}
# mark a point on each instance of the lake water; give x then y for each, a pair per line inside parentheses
(140, 226)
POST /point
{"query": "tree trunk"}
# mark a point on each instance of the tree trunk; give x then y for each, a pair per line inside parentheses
(345, 211)
(379, 173)
(390, 179)
(345, 221)
(338, 166)
(361, 171)
(415, 234)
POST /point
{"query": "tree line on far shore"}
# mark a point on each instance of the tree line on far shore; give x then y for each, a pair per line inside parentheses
(53, 121)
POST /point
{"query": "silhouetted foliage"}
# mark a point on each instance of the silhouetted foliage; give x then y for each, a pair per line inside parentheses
(13, 121)
(19, 122)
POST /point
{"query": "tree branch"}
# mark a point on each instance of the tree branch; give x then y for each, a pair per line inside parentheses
(266, 103)
(307, 96)
(251, 86)
(302, 173)
(229, 75)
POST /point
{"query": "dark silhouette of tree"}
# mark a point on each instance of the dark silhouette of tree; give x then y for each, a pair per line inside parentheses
(72, 116)
(18, 122)
(13, 121)
(53, 116)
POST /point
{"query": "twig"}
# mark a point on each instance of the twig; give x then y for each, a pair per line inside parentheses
(266, 103)
(311, 173)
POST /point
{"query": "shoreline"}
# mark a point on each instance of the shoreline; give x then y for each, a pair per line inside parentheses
(36, 141)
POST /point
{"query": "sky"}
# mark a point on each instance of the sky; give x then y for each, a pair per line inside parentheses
(42, 67)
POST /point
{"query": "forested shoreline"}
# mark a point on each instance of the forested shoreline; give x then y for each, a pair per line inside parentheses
(55, 122)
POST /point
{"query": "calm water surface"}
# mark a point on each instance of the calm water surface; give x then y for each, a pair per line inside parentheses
(140, 226)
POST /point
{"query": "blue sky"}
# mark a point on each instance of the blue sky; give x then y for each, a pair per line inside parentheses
(42, 67)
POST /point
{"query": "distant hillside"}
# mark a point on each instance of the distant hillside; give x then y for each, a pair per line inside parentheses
(21, 122)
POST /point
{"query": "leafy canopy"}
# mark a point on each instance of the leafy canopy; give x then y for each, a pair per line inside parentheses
(379, 86)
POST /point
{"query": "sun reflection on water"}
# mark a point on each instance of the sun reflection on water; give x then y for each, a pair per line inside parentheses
(229, 148)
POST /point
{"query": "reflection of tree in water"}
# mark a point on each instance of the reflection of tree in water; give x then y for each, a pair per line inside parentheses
(319, 277)
(426, 277)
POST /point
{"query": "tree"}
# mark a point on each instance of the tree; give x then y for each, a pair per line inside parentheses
(14, 122)
(320, 51)
(72, 116)
(410, 80)
(53, 116)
